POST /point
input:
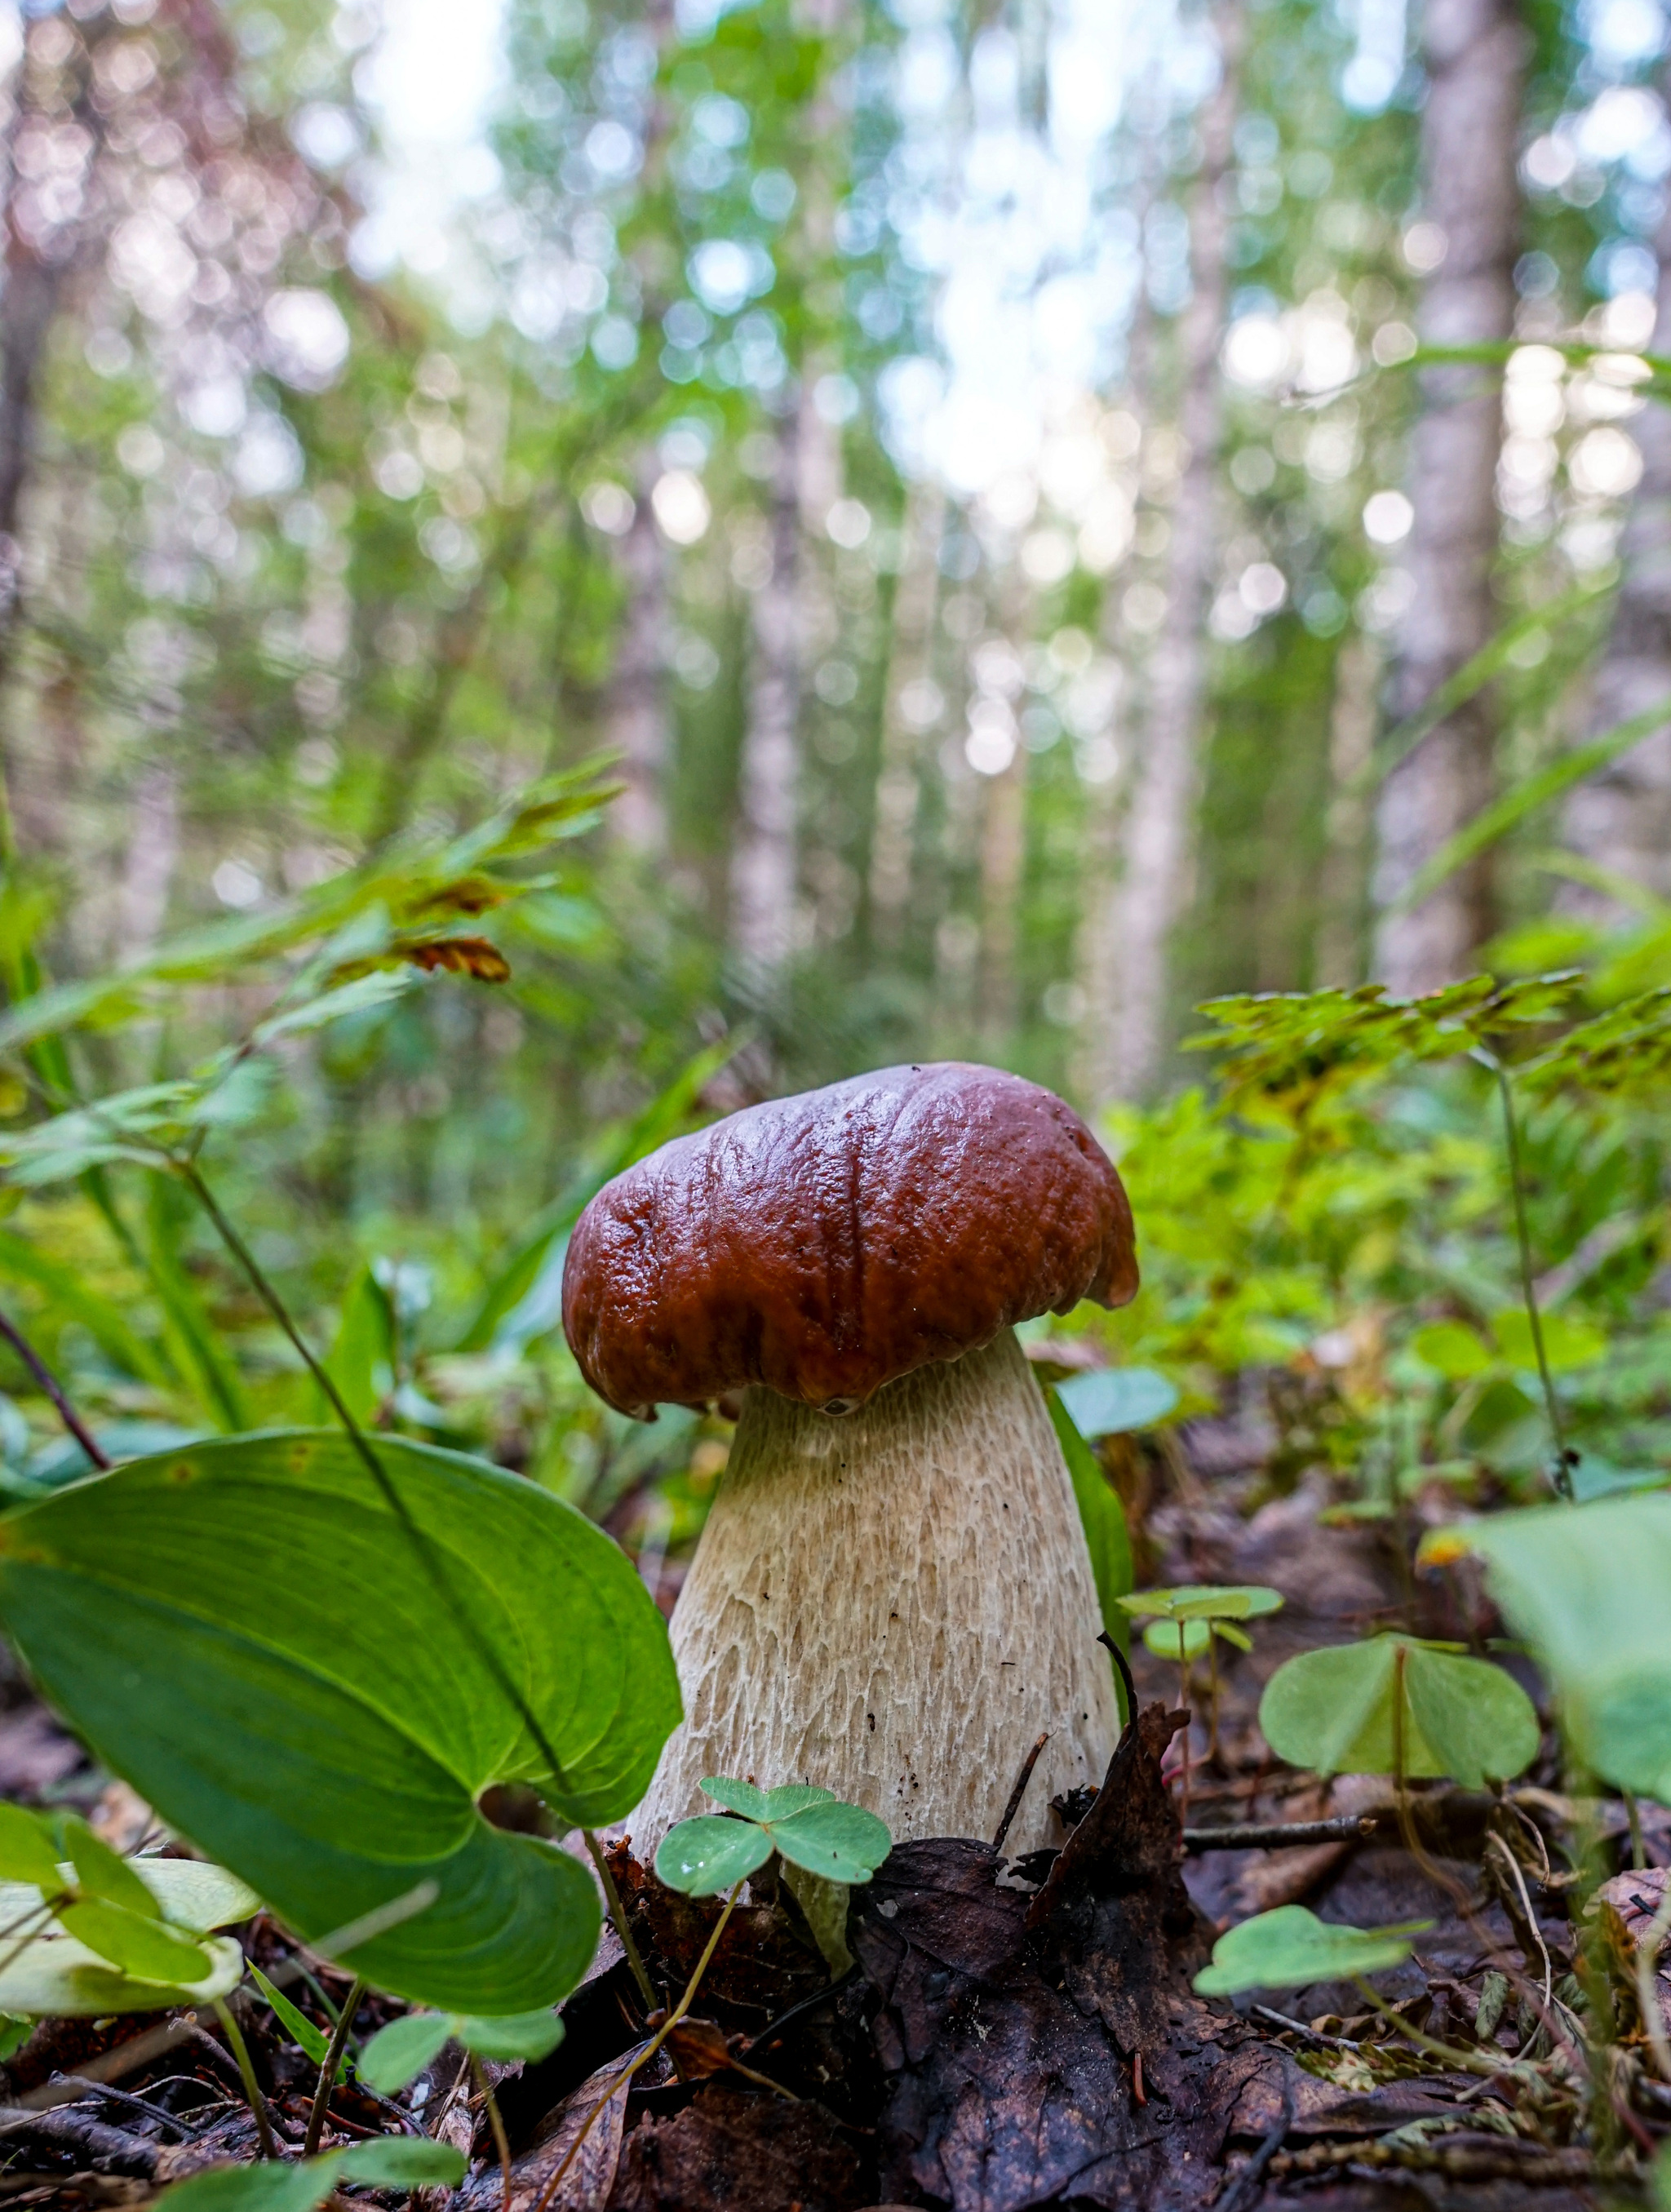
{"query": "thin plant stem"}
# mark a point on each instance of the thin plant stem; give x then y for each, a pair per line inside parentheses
(1463, 2062)
(1213, 1709)
(1638, 1846)
(648, 2053)
(617, 1913)
(265, 1290)
(240, 2051)
(332, 2060)
(1562, 1469)
(49, 1382)
(1183, 1700)
(495, 2121)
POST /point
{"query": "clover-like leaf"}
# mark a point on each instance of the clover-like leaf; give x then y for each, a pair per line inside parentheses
(710, 1852)
(1204, 1602)
(811, 1827)
(841, 1842)
(1290, 1947)
(1368, 1708)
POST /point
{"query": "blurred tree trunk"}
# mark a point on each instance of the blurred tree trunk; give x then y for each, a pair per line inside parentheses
(898, 788)
(635, 712)
(764, 847)
(1339, 960)
(1476, 61)
(1156, 847)
(1619, 821)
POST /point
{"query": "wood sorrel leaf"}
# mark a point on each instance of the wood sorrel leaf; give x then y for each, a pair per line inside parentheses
(1289, 1947)
(245, 1632)
(709, 1853)
(1338, 1710)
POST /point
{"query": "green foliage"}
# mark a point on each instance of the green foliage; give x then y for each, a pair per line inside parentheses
(1288, 1947)
(396, 2054)
(1102, 1517)
(402, 2162)
(1397, 1705)
(1112, 1401)
(809, 1827)
(97, 1934)
(330, 1742)
(1586, 1588)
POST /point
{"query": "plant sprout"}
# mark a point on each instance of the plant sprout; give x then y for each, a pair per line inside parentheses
(1190, 1618)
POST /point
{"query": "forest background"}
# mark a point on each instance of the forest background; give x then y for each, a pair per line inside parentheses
(1048, 513)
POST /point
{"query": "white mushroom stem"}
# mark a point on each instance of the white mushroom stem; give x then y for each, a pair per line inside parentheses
(896, 1604)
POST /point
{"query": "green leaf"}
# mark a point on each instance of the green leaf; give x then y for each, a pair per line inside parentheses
(274, 2185)
(1566, 1342)
(513, 2035)
(1586, 1587)
(103, 1873)
(1451, 1349)
(1161, 1636)
(398, 2053)
(710, 1853)
(1334, 1710)
(1111, 1401)
(1205, 1602)
(303, 2034)
(244, 1631)
(1104, 1519)
(135, 1944)
(55, 1977)
(739, 1797)
(27, 1852)
(841, 1842)
(1290, 1947)
(364, 1345)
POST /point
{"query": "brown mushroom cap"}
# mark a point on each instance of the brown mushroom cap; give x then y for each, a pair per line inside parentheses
(827, 1243)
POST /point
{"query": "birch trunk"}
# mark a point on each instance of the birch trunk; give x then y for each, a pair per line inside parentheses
(1475, 54)
(1157, 844)
(1619, 821)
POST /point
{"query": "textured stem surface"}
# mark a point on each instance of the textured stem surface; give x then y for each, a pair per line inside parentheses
(894, 1604)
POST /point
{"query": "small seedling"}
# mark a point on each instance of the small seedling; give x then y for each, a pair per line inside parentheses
(1289, 1948)
(1190, 1619)
(400, 2162)
(396, 2054)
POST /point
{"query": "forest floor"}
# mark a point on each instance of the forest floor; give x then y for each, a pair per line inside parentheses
(1007, 2035)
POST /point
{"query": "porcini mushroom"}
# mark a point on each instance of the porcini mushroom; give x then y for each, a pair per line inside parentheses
(896, 1603)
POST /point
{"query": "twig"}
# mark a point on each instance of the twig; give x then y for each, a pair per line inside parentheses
(240, 2051)
(1020, 1791)
(1124, 1666)
(1302, 2028)
(123, 2097)
(819, 1998)
(332, 2060)
(482, 1646)
(49, 1382)
(648, 2053)
(1279, 1835)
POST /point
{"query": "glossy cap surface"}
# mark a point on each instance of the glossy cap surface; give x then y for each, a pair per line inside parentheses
(824, 1244)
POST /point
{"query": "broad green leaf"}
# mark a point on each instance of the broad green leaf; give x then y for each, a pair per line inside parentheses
(276, 2185)
(710, 1853)
(1161, 1636)
(1104, 1519)
(515, 2035)
(244, 1631)
(360, 1363)
(306, 2037)
(55, 1976)
(1290, 1947)
(27, 1853)
(1113, 1400)
(190, 1894)
(398, 2053)
(1334, 1710)
(1451, 1349)
(1586, 1587)
(103, 1873)
(841, 1842)
(136, 1944)
(1566, 1342)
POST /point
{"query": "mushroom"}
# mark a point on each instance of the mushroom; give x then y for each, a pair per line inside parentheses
(895, 1604)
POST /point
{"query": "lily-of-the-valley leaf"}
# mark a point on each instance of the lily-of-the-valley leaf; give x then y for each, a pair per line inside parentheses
(1290, 1947)
(1395, 1702)
(245, 1632)
(811, 1828)
(58, 1971)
